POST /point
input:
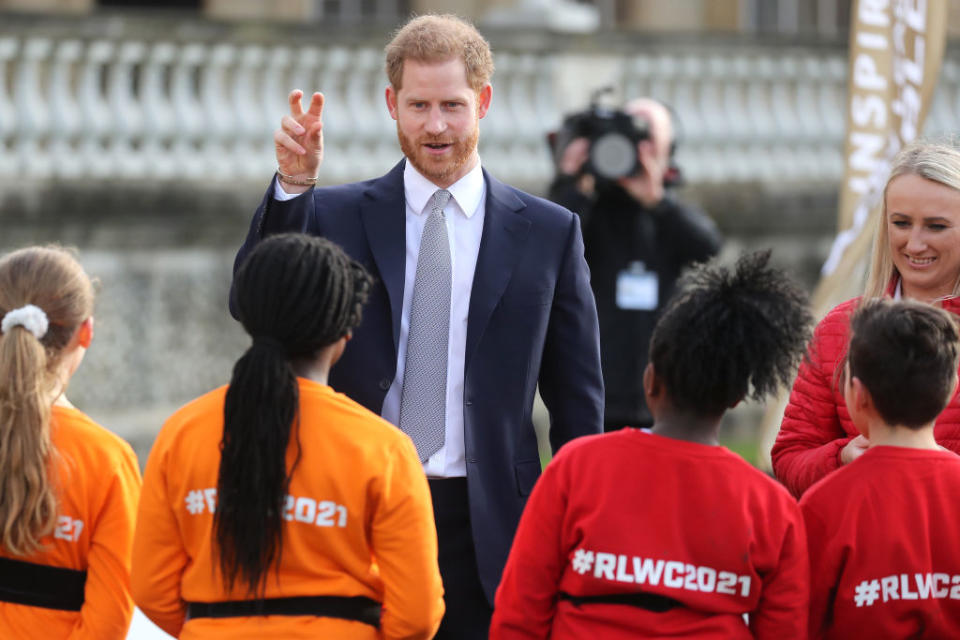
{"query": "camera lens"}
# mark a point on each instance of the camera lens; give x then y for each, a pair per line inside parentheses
(613, 156)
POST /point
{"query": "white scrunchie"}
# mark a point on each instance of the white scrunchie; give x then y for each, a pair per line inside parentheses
(30, 317)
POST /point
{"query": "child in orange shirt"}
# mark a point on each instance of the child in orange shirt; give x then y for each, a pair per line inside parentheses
(276, 507)
(883, 529)
(68, 487)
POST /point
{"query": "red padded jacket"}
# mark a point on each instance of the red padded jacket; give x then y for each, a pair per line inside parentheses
(816, 424)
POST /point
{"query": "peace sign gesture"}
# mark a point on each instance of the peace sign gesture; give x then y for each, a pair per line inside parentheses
(299, 140)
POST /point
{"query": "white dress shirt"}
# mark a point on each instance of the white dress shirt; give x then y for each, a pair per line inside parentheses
(464, 215)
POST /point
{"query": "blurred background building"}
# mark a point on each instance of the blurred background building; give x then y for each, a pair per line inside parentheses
(140, 132)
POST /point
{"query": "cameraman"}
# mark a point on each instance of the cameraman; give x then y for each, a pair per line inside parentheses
(637, 241)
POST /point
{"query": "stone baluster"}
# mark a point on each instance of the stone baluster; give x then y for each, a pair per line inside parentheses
(158, 115)
(832, 107)
(822, 148)
(67, 120)
(126, 109)
(527, 130)
(495, 136)
(386, 147)
(217, 142)
(950, 81)
(737, 127)
(545, 101)
(33, 120)
(759, 157)
(97, 118)
(833, 96)
(363, 91)
(663, 73)
(8, 114)
(941, 118)
(711, 102)
(248, 117)
(303, 72)
(190, 121)
(637, 74)
(794, 157)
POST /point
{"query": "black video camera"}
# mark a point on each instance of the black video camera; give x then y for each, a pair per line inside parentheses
(613, 136)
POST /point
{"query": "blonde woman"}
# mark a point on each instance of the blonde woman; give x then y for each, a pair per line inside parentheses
(916, 256)
(68, 487)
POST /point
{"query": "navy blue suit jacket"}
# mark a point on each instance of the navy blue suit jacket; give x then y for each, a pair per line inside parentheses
(532, 319)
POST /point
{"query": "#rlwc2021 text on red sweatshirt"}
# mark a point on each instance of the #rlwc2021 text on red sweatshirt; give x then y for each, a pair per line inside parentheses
(884, 556)
(630, 512)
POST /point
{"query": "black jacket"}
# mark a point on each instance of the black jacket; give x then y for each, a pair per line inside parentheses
(619, 232)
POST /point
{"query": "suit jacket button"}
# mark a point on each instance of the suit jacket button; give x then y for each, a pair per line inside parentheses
(385, 384)
(469, 403)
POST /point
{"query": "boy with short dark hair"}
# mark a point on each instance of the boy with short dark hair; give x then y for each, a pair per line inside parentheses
(883, 531)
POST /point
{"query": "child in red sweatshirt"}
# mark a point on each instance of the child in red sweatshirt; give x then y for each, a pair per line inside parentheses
(883, 530)
(637, 534)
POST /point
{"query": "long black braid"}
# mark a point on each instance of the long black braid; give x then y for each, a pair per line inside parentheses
(294, 295)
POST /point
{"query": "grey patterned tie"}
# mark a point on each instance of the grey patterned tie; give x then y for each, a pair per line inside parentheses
(423, 402)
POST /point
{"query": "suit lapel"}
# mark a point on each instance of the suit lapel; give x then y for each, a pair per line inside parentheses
(383, 211)
(504, 233)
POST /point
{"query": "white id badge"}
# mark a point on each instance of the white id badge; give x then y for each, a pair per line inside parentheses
(637, 288)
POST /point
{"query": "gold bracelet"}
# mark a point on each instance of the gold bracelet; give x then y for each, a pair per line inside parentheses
(308, 182)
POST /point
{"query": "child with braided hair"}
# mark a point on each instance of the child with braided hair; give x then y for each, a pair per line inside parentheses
(636, 534)
(68, 487)
(276, 507)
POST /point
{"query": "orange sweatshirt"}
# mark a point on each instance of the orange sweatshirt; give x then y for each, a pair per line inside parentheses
(98, 483)
(358, 522)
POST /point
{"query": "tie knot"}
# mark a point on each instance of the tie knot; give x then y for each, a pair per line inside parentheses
(439, 200)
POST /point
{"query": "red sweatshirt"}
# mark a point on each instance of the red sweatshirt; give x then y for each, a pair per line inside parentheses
(884, 557)
(631, 512)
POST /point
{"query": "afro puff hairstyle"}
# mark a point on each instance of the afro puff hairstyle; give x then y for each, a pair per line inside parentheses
(730, 333)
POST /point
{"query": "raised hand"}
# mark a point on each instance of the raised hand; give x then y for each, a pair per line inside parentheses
(574, 156)
(299, 141)
(647, 187)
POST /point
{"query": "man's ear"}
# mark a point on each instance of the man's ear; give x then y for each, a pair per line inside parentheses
(483, 100)
(85, 333)
(391, 97)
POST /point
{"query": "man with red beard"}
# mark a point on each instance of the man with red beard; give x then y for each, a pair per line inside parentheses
(482, 294)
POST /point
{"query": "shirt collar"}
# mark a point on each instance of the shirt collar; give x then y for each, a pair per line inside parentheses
(466, 192)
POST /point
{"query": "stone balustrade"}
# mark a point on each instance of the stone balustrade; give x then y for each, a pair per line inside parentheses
(204, 110)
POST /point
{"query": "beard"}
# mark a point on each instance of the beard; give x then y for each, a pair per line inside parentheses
(439, 170)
